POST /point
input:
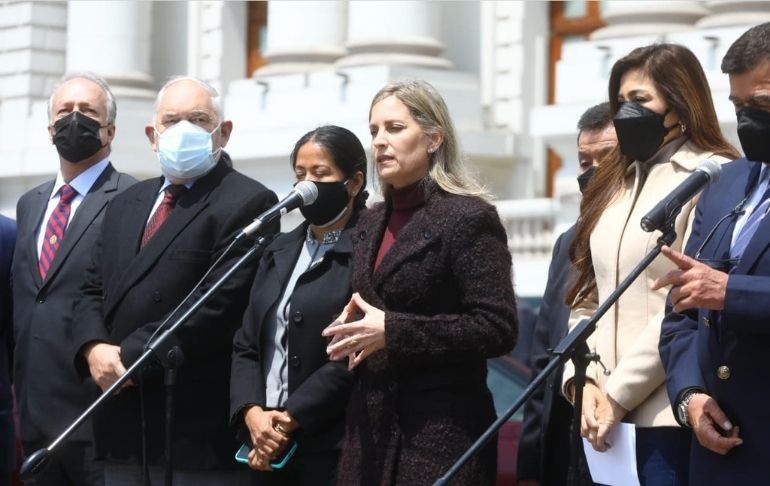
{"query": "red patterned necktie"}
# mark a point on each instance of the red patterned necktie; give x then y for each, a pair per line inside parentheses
(172, 193)
(54, 230)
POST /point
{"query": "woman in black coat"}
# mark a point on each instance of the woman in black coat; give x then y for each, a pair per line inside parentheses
(434, 299)
(283, 387)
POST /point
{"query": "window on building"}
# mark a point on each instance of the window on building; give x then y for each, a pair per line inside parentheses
(256, 35)
(569, 19)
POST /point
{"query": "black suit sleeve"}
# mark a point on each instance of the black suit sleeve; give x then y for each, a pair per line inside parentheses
(247, 384)
(88, 325)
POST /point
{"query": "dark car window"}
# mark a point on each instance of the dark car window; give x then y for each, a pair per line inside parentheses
(506, 379)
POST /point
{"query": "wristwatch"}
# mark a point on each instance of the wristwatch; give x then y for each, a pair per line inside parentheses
(681, 409)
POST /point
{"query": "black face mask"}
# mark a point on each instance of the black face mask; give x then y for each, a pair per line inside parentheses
(754, 134)
(640, 130)
(329, 206)
(76, 137)
(585, 177)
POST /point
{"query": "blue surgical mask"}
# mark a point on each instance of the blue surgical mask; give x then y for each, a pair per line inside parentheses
(185, 151)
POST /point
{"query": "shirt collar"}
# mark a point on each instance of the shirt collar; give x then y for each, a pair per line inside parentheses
(167, 183)
(84, 181)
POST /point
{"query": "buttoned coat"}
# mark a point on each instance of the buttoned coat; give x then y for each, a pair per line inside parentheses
(128, 293)
(627, 336)
(723, 352)
(318, 388)
(446, 289)
(50, 393)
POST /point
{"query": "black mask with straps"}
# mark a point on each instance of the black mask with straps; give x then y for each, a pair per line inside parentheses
(640, 130)
(76, 137)
(754, 133)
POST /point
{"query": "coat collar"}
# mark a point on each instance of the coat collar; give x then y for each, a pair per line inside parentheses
(418, 233)
(187, 208)
(685, 155)
(38, 206)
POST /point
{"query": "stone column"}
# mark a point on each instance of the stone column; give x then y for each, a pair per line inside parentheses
(394, 32)
(113, 40)
(304, 35)
(632, 18)
(725, 13)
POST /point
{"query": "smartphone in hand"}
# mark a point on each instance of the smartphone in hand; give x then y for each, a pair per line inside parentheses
(242, 455)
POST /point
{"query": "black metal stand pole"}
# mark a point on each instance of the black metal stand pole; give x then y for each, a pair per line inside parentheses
(573, 344)
(37, 460)
(171, 365)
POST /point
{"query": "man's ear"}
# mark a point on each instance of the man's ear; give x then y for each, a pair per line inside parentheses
(225, 131)
(149, 132)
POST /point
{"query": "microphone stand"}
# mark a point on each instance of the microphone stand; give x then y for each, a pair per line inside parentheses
(38, 460)
(573, 347)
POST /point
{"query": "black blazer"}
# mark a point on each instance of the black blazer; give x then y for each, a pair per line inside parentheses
(7, 437)
(544, 443)
(318, 388)
(128, 292)
(49, 392)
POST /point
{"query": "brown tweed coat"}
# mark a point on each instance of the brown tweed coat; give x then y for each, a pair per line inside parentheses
(446, 289)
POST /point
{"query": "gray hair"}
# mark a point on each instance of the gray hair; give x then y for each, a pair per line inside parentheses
(213, 93)
(109, 105)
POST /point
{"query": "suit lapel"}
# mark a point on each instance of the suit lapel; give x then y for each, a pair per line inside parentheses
(759, 242)
(731, 196)
(418, 233)
(93, 203)
(39, 205)
(285, 253)
(187, 208)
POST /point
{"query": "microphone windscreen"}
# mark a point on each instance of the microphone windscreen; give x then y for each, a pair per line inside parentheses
(711, 168)
(308, 191)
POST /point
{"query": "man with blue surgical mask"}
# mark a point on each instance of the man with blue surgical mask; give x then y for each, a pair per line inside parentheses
(158, 240)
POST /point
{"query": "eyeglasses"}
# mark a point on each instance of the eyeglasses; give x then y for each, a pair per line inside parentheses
(723, 265)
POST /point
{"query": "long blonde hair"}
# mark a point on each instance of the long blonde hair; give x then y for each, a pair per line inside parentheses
(427, 107)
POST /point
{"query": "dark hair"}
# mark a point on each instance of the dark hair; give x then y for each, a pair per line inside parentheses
(595, 118)
(679, 77)
(751, 49)
(345, 150)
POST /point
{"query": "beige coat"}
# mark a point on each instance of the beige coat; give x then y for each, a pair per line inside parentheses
(627, 336)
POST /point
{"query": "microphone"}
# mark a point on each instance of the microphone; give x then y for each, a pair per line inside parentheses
(304, 194)
(668, 208)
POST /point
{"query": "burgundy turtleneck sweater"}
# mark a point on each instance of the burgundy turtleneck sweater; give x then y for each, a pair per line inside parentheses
(405, 202)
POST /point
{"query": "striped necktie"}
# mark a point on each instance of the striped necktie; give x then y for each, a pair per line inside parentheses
(170, 197)
(54, 229)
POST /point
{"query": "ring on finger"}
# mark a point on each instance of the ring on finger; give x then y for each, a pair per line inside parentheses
(354, 342)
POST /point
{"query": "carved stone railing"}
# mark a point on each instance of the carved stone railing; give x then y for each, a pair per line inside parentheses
(530, 226)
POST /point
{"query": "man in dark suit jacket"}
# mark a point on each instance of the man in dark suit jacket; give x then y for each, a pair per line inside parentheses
(715, 337)
(48, 274)
(7, 436)
(544, 445)
(143, 269)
